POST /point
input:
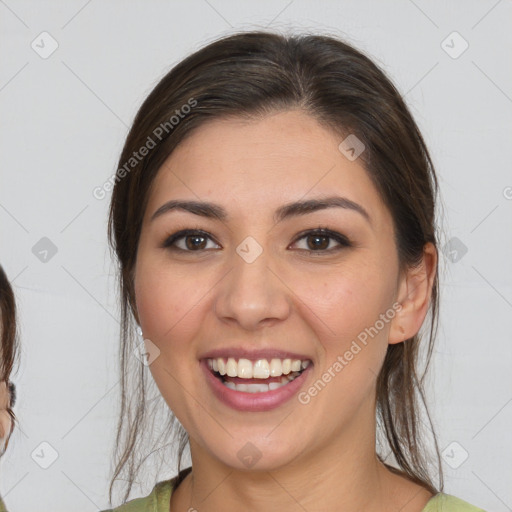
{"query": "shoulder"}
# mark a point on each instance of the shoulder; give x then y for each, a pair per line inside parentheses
(157, 501)
(447, 503)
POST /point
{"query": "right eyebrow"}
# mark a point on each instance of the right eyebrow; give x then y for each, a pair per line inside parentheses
(204, 209)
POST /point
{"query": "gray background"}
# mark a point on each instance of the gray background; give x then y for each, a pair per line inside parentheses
(63, 122)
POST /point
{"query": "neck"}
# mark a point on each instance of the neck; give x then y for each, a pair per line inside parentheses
(343, 474)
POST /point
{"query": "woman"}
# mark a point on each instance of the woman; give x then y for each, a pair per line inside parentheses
(7, 360)
(273, 219)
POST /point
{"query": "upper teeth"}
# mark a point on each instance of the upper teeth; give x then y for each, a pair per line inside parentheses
(260, 369)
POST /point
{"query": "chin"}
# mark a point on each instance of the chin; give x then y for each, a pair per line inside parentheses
(252, 452)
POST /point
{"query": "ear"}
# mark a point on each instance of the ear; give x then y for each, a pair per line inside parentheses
(414, 293)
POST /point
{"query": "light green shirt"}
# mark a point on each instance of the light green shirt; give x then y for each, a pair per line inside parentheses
(160, 498)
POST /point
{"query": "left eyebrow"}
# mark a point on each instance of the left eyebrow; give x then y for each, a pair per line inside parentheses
(313, 205)
(215, 211)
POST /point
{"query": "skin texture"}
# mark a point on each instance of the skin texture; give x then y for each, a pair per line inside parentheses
(5, 418)
(313, 303)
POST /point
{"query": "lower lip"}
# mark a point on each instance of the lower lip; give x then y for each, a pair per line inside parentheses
(254, 402)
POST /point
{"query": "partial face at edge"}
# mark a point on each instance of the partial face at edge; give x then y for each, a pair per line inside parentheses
(5, 418)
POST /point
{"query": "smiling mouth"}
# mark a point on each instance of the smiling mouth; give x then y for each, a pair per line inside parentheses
(258, 376)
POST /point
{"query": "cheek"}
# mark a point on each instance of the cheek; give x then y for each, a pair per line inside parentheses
(344, 308)
(350, 298)
(344, 312)
(167, 307)
(165, 300)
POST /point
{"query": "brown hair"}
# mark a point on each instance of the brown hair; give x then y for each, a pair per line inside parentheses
(9, 350)
(251, 74)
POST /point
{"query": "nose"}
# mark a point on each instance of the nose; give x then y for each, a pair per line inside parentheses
(252, 295)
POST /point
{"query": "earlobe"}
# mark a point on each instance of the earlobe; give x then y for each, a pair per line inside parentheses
(414, 293)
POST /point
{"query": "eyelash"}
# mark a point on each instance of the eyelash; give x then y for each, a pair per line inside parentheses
(342, 240)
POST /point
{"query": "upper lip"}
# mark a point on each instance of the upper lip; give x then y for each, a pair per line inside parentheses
(254, 355)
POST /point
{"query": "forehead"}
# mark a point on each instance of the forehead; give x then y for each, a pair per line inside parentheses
(251, 165)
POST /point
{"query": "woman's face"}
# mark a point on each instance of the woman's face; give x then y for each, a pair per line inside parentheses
(257, 284)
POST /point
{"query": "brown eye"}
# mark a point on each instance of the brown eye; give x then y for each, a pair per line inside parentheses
(316, 242)
(194, 242)
(190, 240)
(323, 241)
